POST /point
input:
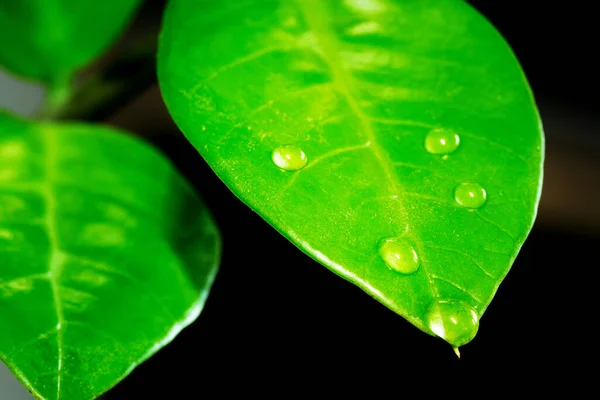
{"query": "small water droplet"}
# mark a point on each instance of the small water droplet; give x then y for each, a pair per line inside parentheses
(454, 321)
(203, 127)
(289, 158)
(441, 141)
(470, 195)
(399, 255)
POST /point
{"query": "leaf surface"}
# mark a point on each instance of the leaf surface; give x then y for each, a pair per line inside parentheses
(50, 39)
(395, 142)
(105, 255)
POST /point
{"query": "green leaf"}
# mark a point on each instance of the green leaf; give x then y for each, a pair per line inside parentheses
(105, 255)
(49, 40)
(395, 142)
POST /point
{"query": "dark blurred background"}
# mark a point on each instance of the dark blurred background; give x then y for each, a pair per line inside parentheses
(277, 322)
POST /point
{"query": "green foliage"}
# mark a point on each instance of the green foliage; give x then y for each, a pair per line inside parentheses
(50, 39)
(105, 255)
(395, 142)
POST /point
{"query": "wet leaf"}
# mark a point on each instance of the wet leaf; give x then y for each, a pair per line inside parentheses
(395, 142)
(50, 39)
(105, 255)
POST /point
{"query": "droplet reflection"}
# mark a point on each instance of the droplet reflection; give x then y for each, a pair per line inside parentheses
(399, 255)
(470, 195)
(454, 321)
(289, 158)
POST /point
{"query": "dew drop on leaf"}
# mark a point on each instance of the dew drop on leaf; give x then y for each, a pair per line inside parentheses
(399, 255)
(470, 195)
(441, 141)
(289, 158)
(454, 321)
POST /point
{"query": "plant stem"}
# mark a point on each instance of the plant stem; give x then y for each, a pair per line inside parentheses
(104, 89)
(58, 96)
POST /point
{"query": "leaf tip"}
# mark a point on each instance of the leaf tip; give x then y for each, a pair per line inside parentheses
(457, 352)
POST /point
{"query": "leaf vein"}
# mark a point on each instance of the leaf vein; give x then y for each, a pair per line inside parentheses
(497, 225)
(457, 286)
(269, 104)
(390, 121)
(323, 157)
(55, 258)
(256, 55)
(132, 278)
(312, 9)
(474, 261)
(496, 144)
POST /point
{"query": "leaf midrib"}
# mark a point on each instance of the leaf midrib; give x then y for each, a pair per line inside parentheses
(315, 17)
(55, 258)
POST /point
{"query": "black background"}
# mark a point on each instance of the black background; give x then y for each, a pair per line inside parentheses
(278, 323)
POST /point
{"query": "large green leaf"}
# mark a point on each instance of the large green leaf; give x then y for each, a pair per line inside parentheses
(50, 39)
(395, 142)
(105, 255)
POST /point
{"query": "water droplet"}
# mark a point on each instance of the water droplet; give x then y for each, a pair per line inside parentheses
(203, 127)
(441, 141)
(470, 195)
(289, 158)
(453, 321)
(399, 255)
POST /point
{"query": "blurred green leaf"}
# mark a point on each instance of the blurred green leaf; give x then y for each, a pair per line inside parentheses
(395, 142)
(105, 255)
(49, 40)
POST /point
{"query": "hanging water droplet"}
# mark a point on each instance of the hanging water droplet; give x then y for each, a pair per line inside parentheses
(470, 195)
(399, 255)
(289, 158)
(441, 141)
(454, 321)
